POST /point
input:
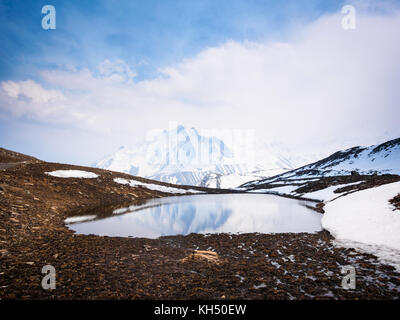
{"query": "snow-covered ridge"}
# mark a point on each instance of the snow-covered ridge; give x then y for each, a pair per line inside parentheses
(328, 194)
(325, 195)
(377, 159)
(155, 187)
(72, 174)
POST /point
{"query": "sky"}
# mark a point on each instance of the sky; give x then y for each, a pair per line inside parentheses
(113, 70)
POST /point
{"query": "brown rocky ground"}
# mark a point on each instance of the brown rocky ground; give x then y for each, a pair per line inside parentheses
(365, 182)
(396, 202)
(34, 205)
(7, 156)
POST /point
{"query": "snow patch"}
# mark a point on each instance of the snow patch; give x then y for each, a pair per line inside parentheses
(155, 187)
(72, 174)
(260, 286)
(79, 219)
(282, 189)
(385, 254)
(368, 218)
(328, 194)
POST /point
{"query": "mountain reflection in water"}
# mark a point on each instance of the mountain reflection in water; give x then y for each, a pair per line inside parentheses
(231, 213)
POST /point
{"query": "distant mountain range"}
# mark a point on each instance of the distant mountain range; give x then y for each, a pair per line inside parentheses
(183, 156)
(377, 159)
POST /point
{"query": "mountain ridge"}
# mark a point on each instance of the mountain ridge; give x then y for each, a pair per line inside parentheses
(184, 156)
(381, 158)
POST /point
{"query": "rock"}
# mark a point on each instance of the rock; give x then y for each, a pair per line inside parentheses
(3, 253)
(203, 255)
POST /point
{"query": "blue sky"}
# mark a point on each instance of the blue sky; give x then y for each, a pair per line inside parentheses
(114, 69)
(145, 34)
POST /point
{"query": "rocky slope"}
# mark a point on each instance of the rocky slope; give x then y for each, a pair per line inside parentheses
(33, 206)
(374, 160)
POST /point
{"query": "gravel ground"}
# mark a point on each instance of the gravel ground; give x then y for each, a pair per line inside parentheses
(33, 207)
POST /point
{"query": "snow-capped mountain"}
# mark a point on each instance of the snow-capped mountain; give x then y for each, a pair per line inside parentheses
(377, 159)
(183, 156)
(269, 160)
(177, 156)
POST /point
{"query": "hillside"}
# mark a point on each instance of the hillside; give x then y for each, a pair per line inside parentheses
(37, 197)
(354, 164)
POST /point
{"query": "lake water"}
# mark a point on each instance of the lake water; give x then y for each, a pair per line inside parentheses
(224, 213)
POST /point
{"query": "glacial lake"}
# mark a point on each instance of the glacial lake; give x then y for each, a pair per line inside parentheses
(222, 213)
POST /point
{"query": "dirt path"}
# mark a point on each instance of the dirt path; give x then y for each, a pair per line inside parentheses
(5, 166)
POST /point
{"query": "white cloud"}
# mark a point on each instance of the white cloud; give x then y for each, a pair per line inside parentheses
(326, 86)
(118, 69)
(31, 90)
(30, 98)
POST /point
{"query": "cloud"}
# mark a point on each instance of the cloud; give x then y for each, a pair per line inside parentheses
(31, 90)
(30, 98)
(118, 69)
(325, 87)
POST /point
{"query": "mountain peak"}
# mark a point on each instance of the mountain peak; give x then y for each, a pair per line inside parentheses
(174, 126)
(183, 156)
